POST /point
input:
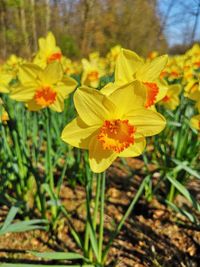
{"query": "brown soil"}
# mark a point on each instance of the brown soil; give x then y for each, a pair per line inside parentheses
(152, 236)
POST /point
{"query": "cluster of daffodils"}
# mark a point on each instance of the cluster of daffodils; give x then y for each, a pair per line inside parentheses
(185, 70)
(112, 121)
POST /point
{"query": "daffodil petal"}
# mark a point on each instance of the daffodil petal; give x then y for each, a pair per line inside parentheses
(70, 83)
(4, 88)
(198, 105)
(136, 149)
(151, 70)
(195, 122)
(52, 73)
(100, 159)
(78, 134)
(58, 104)
(23, 93)
(28, 73)
(147, 122)
(51, 41)
(5, 79)
(92, 106)
(127, 64)
(66, 87)
(128, 97)
(174, 89)
(163, 88)
(109, 88)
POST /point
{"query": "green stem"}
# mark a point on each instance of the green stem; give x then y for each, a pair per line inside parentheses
(86, 239)
(88, 188)
(101, 226)
(129, 210)
(170, 197)
(96, 209)
(49, 170)
(98, 187)
(22, 171)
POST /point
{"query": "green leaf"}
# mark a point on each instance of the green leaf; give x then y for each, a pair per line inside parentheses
(183, 165)
(182, 211)
(57, 255)
(25, 226)
(184, 192)
(93, 239)
(54, 200)
(11, 215)
(174, 123)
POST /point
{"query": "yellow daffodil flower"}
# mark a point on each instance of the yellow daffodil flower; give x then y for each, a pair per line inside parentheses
(70, 67)
(43, 88)
(112, 57)
(195, 122)
(14, 62)
(91, 74)
(109, 127)
(3, 113)
(48, 51)
(4, 116)
(192, 91)
(171, 100)
(130, 67)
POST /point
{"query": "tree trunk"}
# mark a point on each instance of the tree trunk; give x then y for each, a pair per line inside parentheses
(195, 23)
(88, 6)
(3, 29)
(24, 29)
(47, 15)
(33, 22)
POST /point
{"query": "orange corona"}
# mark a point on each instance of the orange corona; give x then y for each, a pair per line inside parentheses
(152, 91)
(45, 96)
(93, 76)
(54, 56)
(116, 135)
(166, 98)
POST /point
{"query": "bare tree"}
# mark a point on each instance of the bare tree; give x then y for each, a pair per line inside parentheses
(47, 15)
(24, 28)
(197, 13)
(3, 28)
(33, 24)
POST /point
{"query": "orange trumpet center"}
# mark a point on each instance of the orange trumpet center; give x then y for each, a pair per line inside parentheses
(166, 98)
(152, 91)
(45, 96)
(54, 56)
(93, 76)
(116, 135)
(174, 74)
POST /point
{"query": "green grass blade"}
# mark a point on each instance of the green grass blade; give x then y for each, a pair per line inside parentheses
(183, 190)
(184, 166)
(184, 212)
(25, 226)
(11, 215)
(57, 255)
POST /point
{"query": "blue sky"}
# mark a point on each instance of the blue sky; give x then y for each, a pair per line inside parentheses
(181, 20)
